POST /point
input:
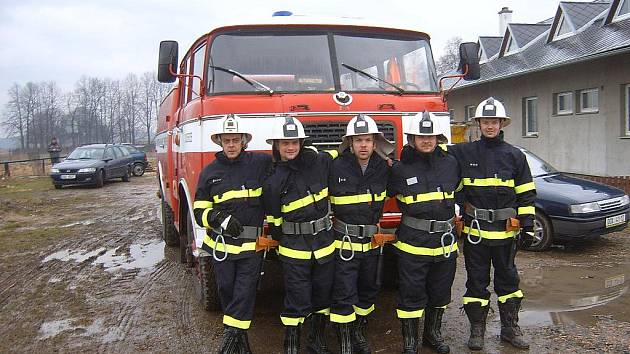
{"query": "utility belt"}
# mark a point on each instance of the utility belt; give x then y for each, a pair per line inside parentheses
(308, 227)
(249, 233)
(430, 226)
(507, 215)
(358, 231)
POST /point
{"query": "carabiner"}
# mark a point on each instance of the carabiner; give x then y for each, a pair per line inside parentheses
(472, 224)
(214, 248)
(343, 242)
(448, 233)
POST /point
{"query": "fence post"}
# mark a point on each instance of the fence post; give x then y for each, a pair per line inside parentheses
(7, 172)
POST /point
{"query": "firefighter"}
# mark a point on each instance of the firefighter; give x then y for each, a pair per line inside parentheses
(497, 197)
(424, 183)
(296, 203)
(228, 204)
(357, 183)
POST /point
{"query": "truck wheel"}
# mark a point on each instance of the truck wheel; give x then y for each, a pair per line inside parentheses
(207, 292)
(169, 232)
(543, 234)
(138, 169)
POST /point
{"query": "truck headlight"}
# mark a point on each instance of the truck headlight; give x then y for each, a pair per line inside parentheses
(87, 170)
(584, 208)
(54, 170)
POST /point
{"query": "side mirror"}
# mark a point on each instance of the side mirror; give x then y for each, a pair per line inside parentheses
(469, 56)
(167, 60)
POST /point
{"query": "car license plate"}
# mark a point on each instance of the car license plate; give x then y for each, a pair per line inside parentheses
(615, 220)
(75, 176)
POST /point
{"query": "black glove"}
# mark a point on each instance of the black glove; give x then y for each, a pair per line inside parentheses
(222, 220)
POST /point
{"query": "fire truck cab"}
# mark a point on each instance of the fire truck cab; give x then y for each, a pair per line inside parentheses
(322, 71)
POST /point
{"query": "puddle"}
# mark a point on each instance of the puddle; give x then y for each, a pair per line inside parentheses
(53, 328)
(578, 294)
(77, 256)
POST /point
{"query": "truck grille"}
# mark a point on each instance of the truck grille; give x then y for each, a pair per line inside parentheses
(327, 135)
(613, 203)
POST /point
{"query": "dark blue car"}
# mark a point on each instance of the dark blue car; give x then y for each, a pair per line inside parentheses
(569, 209)
(92, 165)
(139, 162)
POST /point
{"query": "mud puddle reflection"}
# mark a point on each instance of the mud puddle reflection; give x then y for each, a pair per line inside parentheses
(577, 294)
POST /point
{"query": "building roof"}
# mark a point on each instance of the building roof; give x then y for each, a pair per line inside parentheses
(523, 33)
(581, 13)
(490, 45)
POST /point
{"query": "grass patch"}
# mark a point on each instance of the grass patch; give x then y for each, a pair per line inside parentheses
(14, 240)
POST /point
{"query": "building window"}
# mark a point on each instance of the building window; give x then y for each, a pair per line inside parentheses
(564, 103)
(511, 46)
(563, 29)
(530, 115)
(470, 112)
(623, 11)
(589, 100)
(627, 112)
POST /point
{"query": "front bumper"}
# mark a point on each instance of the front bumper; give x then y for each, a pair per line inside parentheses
(79, 178)
(573, 228)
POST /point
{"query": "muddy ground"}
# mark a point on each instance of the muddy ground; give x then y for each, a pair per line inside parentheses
(84, 270)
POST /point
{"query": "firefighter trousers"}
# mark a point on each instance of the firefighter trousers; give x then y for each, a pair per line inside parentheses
(236, 285)
(478, 260)
(423, 283)
(354, 290)
(307, 289)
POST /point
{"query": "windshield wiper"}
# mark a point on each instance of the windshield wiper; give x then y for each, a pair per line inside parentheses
(368, 75)
(252, 82)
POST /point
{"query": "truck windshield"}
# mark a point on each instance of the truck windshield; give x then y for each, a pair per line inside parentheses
(303, 61)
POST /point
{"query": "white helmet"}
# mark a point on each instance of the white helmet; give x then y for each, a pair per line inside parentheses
(361, 125)
(286, 128)
(426, 124)
(231, 125)
(492, 108)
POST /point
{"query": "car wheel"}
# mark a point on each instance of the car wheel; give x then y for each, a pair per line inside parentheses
(169, 232)
(138, 169)
(543, 234)
(127, 175)
(58, 186)
(100, 179)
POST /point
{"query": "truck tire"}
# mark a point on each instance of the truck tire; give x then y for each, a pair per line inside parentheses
(544, 234)
(169, 232)
(207, 292)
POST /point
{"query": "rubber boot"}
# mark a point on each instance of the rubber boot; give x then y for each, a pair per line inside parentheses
(292, 340)
(360, 342)
(432, 335)
(317, 336)
(344, 335)
(230, 342)
(510, 331)
(477, 315)
(244, 349)
(410, 335)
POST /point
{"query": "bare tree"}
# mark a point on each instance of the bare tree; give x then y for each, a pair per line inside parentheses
(450, 59)
(15, 121)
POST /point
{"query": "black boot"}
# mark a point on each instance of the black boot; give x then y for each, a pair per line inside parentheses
(230, 343)
(317, 336)
(344, 335)
(432, 335)
(477, 315)
(360, 343)
(244, 342)
(292, 340)
(510, 331)
(410, 335)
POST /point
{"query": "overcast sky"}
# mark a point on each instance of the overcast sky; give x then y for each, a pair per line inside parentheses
(60, 40)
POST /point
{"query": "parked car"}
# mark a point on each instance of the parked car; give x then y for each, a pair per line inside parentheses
(139, 162)
(570, 209)
(92, 165)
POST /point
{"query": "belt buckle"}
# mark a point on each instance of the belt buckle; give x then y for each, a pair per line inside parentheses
(312, 224)
(432, 224)
(490, 215)
(361, 232)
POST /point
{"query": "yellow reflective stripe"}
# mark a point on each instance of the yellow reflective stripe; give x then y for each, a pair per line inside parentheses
(468, 300)
(504, 298)
(491, 235)
(323, 252)
(443, 147)
(202, 204)
(233, 322)
(231, 249)
(524, 187)
(343, 318)
(424, 197)
(273, 220)
(332, 153)
(460, 186)
(291, 321)
(409, 314)
(358, 198)
(528, 210)
(291, 253)
(424, 251)
(358, 247)
(240, 193)
(302, 202)
(488, 182)
(325, 311)
(363, 312)
(204, 218)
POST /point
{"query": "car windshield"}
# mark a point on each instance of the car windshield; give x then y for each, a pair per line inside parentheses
(86, 153)
(308, 60)
(538, 166)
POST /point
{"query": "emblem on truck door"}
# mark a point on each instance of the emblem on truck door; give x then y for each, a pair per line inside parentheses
(342, 98)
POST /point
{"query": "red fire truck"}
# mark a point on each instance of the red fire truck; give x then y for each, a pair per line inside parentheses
(318, 70)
